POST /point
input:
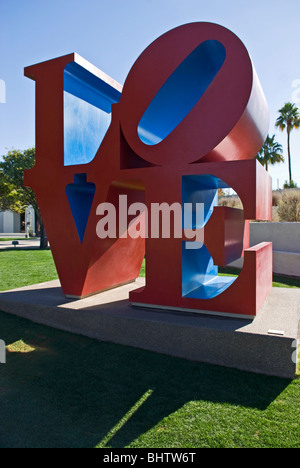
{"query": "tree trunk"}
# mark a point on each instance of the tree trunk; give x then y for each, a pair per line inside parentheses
(43, 239)
(289, 154)
(43, 235)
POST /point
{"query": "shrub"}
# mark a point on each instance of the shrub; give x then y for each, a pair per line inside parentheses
(276, 198)
(290, 185)
(289, 206)
(232, 202)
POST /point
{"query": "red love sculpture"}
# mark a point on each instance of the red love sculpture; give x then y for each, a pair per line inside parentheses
(189, 121)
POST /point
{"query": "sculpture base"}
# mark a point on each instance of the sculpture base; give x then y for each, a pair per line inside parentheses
(191, 311)
(264, 345)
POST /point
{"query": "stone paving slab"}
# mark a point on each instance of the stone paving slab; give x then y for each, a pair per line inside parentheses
(264, 345)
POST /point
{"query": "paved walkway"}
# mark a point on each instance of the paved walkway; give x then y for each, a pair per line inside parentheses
(24, 243)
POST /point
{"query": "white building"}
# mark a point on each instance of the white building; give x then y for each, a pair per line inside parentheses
(10, 222)
(15, 223)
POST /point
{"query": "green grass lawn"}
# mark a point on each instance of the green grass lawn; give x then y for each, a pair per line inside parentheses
(7, 239)
(62, 390)
(22, 267)
(279, 281)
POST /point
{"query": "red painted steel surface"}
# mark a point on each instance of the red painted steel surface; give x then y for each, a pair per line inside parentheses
(219, 126)
(96, 264)
(220, 136)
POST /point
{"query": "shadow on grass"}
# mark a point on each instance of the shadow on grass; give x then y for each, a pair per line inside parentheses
(71, 391)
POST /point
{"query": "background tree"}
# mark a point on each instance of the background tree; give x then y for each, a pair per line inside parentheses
(10, 198)
(288, 119)
(14, 195)
(270, 153)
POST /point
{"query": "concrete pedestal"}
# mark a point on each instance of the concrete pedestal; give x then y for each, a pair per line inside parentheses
(265, 345)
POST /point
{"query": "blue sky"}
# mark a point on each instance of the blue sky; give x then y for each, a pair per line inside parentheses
(111, 34)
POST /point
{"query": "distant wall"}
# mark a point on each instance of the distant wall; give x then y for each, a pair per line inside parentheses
(10, 222)
(286, 245)
(17, 223)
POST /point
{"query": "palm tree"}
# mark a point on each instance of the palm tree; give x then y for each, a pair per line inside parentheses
(270, 153)
(288, 119)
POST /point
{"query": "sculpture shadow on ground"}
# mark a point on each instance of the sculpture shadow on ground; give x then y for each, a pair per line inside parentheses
(73, 391)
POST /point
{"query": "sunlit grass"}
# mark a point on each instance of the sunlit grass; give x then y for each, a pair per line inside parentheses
(7, 239)
(105, 441)
(20, 268)
(19, 347)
